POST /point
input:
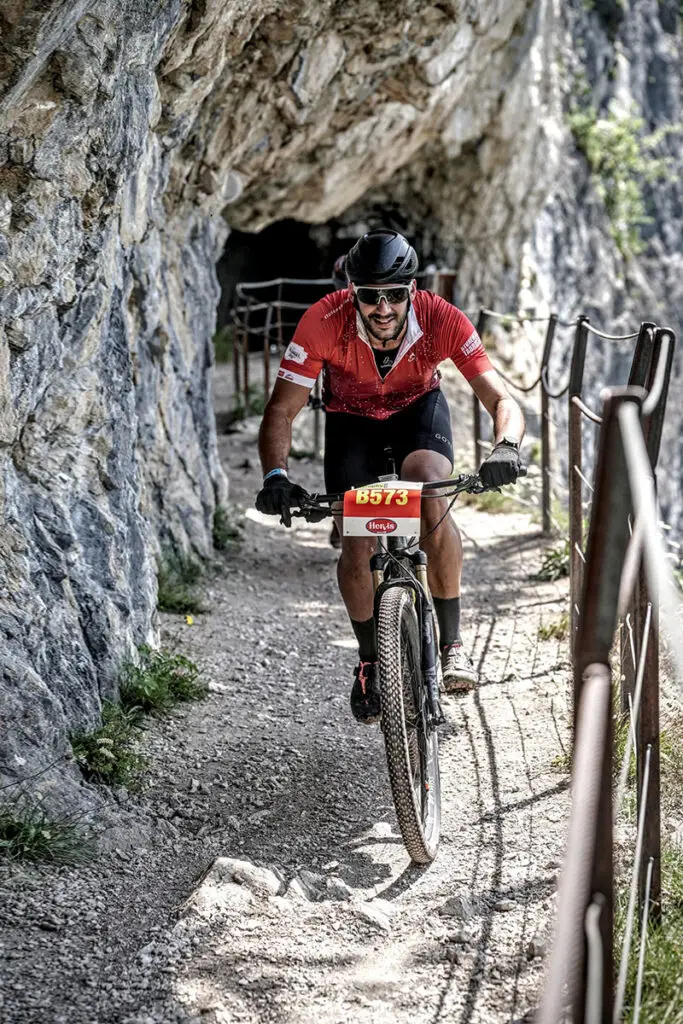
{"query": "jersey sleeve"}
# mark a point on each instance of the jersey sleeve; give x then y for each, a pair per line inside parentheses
(304, 356)
(461, 342)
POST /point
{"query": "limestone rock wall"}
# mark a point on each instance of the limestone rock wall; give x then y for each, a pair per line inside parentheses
(126, 130)
(131, 136)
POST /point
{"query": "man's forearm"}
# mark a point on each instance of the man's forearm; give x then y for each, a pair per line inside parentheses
(508, 420)
(275, 439)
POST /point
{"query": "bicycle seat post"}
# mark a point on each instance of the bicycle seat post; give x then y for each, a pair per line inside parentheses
(389, 465)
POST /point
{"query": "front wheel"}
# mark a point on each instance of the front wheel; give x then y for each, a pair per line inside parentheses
(412, 745)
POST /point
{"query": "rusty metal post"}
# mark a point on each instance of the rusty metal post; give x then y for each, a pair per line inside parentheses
(280, 341)
(648, 730)
(630, 639)
(245, 356)
(606, 548)
(476, 413)
(317, 396)
(444, 282)
(545, 429)
(236, 343)
(574, 468)
(266, 353)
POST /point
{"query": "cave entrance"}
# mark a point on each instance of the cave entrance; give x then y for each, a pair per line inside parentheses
(287, 248)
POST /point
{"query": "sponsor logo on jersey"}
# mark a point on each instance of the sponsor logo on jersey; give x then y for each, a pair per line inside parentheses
(295, 353)
(472, 344)
(381, 525)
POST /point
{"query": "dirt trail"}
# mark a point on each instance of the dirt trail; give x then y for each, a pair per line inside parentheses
(271, 770)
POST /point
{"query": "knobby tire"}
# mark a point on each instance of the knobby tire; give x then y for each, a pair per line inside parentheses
(411, 747)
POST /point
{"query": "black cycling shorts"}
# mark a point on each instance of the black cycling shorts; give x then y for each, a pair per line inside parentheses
(354, 445)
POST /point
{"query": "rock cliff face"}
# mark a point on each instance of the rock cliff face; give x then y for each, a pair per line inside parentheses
(127, 131)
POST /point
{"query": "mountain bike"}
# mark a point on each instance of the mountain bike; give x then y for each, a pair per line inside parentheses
(407, 640)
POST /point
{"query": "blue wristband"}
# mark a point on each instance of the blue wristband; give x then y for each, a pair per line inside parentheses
(275, 472)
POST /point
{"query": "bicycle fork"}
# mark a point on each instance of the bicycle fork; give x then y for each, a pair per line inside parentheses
(428, 650)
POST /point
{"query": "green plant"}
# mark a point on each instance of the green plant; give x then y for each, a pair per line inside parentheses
(160, 681)
(620, 157)
(562, 763)
(254, 405)
(495, 502)
(662, 995)
(222, 343)
(106, 754)
(301, 453)
(555, 563)
(557, 630)
(228, 524)
(177, 576)
(535, 453)
(28, 832)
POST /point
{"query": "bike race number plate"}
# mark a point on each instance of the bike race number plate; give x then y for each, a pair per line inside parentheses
(378, 510)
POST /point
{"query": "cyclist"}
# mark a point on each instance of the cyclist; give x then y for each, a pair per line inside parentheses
(380, 342)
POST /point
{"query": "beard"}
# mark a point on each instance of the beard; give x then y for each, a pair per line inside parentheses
(398, 325)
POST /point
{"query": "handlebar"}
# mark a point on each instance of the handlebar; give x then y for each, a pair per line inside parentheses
(317, 506)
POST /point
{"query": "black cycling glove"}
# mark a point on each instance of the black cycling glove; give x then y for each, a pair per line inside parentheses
(277, 496)
(501, 467)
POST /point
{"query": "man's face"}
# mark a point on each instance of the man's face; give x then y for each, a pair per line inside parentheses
(384, 319)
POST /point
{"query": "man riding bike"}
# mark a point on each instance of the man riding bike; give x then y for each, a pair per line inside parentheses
(380, 342)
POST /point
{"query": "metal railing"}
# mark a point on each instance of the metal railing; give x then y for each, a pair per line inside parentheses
(624, 572)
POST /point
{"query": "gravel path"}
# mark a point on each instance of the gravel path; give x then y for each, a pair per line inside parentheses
(264, 878)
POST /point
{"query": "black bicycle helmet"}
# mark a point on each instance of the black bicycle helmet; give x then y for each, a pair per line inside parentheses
(381, 257)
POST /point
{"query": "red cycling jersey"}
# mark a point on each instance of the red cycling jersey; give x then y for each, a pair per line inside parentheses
(331, 335)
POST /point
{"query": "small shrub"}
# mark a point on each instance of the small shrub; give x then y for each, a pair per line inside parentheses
(555, 563)
(302, 453)
(620, 157)
(495, 502)
(557, 630)
(222, 344)
(254, 405)
(27, 832)
(159, 682)
(228, 524)
(177, 576)
(106, 754)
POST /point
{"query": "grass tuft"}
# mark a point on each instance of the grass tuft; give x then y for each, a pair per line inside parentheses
(177, 576)
(27, 832)
(228, 524)
(562, 763)
(495, 502)
(106, 755)
(222, 344)
(557, 630)
(254, 405)
(555, 563)
(159, 682)
(154, 686)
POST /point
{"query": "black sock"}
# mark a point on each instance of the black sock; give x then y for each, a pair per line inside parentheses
(366, 635)
(448, 613)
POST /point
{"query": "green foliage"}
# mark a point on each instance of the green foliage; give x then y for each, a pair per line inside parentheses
(535, 453)
(158, 683)
(621, 158)
(555, 563)
(301, 453)
(662, 997)
(107, 754)
(177, 576)
(155, 685)
(228, 524)
(494, 501)
(28, 832)
(254, 405)
(562, 763)
(557, 630)
(222, 344)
